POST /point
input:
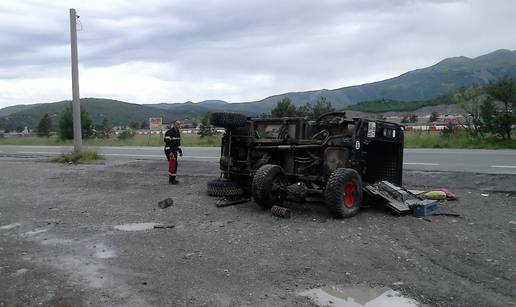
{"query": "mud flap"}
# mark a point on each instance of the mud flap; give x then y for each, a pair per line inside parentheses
(398, 199)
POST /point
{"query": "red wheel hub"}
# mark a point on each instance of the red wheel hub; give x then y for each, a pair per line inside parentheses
(348, 195)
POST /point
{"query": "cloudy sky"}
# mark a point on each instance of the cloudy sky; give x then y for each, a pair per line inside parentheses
(172, 51)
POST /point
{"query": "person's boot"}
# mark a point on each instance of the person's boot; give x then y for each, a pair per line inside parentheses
(172, 180)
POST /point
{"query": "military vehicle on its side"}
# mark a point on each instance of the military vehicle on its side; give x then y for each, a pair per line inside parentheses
(331, 158)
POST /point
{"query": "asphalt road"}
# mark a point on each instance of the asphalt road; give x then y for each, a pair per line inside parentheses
(456, 160)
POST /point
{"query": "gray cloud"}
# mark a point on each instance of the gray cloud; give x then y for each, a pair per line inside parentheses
(236, 50)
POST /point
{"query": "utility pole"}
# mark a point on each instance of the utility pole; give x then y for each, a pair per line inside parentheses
(76, 106)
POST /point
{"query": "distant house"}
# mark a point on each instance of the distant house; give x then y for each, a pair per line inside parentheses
(446, 120)
(450, 119)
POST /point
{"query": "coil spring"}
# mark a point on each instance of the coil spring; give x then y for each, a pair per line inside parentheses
(280, 212)
(167, 202)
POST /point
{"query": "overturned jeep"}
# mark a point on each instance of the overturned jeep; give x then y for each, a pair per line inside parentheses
(332, 159)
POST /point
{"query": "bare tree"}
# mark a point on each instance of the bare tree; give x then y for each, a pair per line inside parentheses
(471, 100)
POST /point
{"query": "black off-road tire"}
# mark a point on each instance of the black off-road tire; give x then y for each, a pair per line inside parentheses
(343, 193)
(223, 188)
(269, 185)
(228, 119)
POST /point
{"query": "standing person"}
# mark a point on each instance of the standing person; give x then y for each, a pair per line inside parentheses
(172, 147)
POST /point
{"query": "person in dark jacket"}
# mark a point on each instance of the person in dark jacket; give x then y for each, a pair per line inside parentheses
(172, 148)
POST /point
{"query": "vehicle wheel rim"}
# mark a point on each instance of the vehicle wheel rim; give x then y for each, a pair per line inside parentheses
(348, 197)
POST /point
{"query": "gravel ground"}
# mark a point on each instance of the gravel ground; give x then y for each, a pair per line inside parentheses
(59, 245)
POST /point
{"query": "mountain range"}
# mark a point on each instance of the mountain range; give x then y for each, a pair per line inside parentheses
(417, 85)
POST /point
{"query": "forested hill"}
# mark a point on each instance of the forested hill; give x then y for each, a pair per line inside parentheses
(117, 112)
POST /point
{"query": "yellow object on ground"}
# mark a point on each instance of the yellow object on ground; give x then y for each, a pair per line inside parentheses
(435, 195)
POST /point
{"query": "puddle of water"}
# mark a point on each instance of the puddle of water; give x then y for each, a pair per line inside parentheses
(10, 226)
(136, 226)
(358, 296)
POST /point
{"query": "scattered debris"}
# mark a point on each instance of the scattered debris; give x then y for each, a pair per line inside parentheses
(163, 226)
(227, 272)
(402, 200)
(231, 201)
(416, 192)
(399, 199)
(167, 202)
(484, 194)
(50, 222)
(281, 212)
(449, 195)
(425, 208)
(435, 195)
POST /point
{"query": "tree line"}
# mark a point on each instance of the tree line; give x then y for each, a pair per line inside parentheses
(285, 108)
(64, 127)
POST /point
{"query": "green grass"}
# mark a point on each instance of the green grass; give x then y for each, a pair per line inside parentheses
(424, 139)
(416, 139)
(32, 140)
(187, 140)
(78, 157)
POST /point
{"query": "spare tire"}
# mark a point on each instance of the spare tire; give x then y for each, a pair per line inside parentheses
(223, 188)
(228, 119)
